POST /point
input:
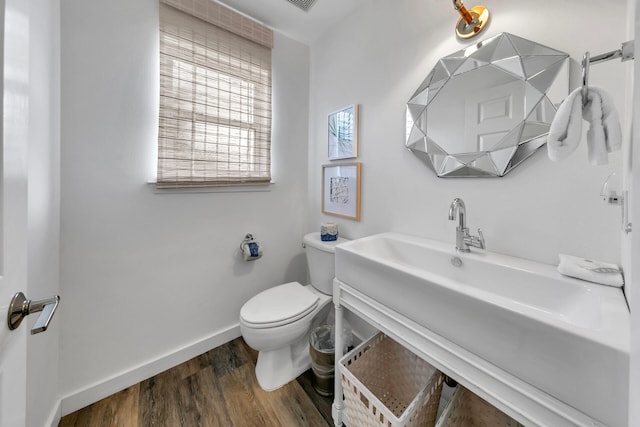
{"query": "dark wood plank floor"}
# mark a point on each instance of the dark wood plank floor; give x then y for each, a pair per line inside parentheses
(218, 388)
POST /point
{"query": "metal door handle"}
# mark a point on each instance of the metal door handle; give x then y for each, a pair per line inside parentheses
(21, 307)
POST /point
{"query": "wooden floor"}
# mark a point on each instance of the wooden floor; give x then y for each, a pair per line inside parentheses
(218, 388)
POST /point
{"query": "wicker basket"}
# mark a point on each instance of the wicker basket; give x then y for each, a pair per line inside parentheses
(466, 409)
(387, 385)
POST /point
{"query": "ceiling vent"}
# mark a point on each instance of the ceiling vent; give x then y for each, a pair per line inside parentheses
(303, 4)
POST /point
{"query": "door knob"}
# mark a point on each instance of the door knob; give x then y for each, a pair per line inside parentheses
(21, 307)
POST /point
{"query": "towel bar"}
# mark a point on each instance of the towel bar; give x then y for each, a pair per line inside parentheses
(625, 53)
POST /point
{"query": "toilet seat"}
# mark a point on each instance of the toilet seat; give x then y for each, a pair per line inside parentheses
(278, 306)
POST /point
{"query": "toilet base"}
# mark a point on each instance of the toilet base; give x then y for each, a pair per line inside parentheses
(278, 367)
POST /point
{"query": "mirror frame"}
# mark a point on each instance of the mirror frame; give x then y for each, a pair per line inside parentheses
(537, 66)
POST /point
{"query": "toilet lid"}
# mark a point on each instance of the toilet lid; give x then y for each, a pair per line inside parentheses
(279, 305)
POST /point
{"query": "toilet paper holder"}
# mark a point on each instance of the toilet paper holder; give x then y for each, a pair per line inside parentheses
(250, 249)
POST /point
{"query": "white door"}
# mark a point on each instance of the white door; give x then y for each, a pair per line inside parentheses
(13, 205)
(491, 113)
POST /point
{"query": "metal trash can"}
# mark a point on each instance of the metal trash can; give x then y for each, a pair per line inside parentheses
(322, 351)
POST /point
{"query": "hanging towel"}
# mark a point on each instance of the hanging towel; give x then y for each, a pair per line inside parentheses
(604, 135)
(566, 129)
(592, 271)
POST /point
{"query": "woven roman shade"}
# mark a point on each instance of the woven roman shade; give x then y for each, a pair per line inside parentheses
(215, 97)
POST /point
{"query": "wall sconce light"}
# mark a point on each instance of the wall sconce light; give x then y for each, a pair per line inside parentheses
(472, 21)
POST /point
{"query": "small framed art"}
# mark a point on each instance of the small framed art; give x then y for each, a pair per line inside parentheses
(343, 133)
(341, 190)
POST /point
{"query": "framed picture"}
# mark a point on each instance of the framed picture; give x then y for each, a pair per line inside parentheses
(341, 190)
(343, 133)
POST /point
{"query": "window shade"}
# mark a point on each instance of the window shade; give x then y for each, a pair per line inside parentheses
(215, 105)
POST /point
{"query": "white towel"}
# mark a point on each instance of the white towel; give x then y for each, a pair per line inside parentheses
(604, 135)
(566, 129)
(592, 271)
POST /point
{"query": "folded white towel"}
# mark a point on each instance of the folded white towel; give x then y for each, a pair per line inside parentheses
(593, 271)
(604, 135)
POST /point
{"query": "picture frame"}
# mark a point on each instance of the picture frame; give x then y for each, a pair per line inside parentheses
(342, 131)
(341, 190)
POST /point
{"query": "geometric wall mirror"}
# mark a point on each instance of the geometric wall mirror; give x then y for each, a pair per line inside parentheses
(483, 110)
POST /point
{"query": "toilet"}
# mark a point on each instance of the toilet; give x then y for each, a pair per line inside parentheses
(277, 321)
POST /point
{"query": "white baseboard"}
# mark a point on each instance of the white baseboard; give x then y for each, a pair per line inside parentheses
(86, 396)
(54, 417)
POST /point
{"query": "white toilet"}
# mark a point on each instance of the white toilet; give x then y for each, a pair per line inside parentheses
(277, 321)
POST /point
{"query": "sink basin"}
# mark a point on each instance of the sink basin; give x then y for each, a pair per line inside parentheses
(567, 337)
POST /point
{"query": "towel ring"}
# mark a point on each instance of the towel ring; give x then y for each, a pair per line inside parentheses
(586, 59)
(625, 53)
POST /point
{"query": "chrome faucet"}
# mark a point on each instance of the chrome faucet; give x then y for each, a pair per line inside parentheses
(463, 238)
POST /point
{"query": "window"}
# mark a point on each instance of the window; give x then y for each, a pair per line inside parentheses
(215, 97)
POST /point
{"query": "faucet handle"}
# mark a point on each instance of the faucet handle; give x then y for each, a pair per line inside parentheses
(481, 239)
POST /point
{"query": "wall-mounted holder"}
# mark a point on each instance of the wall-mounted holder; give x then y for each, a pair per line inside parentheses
(613, 194)
(250, 249)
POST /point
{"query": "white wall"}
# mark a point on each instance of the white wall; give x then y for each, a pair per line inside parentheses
(378, 57)
(43, 207)
(145, 275)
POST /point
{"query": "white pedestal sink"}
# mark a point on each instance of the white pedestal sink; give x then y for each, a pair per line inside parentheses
(560, 342)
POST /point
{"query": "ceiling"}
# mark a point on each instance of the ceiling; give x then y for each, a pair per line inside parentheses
(292, 21)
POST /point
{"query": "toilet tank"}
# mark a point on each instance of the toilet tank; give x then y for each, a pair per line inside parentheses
(321, 261)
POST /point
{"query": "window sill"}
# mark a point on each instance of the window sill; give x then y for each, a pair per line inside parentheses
(221, 189)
